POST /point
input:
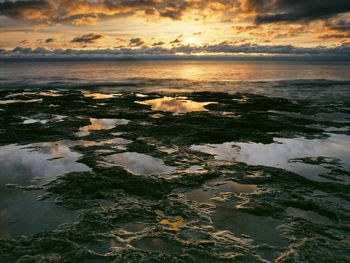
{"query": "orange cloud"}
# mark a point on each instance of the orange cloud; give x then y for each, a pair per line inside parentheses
(82, 12)
(86, 20)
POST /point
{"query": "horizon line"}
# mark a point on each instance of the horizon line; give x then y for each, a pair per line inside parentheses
(179, 58)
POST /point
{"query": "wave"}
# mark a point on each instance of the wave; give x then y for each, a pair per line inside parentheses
(314, 82)
(146, 82)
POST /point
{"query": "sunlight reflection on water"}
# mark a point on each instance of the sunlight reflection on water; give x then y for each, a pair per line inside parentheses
(100, 124)
(176, 105)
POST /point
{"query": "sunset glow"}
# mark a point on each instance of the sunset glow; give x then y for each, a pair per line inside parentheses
(168, 131)
(167, 28)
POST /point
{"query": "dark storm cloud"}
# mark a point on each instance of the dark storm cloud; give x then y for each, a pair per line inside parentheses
(268, 49)
(336, 28)
(24, 9)
(87, 39)
(340, 25)
(342, 50)
(299, 10)
(83, 12)
(24, 51)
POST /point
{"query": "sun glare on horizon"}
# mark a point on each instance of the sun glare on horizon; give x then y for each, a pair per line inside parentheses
(192, 41)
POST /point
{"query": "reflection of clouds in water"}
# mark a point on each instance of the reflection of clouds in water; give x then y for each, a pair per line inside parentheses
(175, 105)
(278, 154)
(99, 96)
(20, 101)
(20, 164)
(39, 119)
(120, 141)
(58, 117)
(103, 124)
(226, 151)
(22, 214)
(32, 121)
(23, 165)
(49, 93)
(100, 124)
(140, 163)
(213, 189)
(337, 146)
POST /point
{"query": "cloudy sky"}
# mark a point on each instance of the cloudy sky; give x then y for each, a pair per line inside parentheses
(176, 27)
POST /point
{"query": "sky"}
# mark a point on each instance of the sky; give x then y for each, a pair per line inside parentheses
(155, 28)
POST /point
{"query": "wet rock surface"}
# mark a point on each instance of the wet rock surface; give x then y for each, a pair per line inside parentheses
(241, 177)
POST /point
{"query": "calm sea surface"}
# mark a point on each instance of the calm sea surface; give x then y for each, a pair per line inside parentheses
(109, 72)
